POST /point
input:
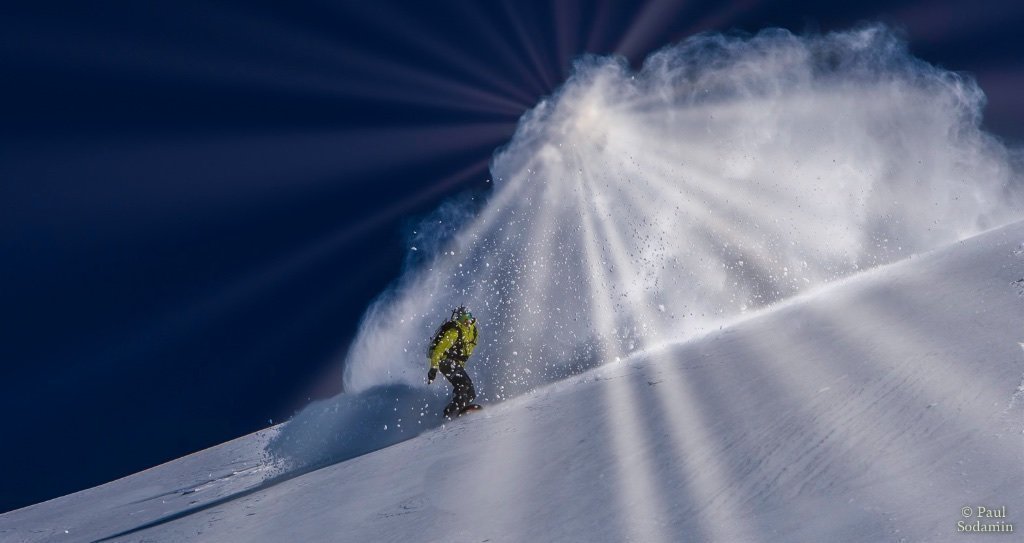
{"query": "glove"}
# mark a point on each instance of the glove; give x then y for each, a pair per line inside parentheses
(431, 375)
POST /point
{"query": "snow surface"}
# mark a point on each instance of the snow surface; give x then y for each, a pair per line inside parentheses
(870, 410)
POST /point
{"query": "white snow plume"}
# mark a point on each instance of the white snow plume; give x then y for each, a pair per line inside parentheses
(726, 174)
(349, 425)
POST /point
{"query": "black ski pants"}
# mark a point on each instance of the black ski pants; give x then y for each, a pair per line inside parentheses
(464, 393)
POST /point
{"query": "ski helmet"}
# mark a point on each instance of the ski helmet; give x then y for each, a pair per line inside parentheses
(462, 313)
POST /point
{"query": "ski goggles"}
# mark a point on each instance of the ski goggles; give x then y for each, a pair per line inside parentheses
(467, 317)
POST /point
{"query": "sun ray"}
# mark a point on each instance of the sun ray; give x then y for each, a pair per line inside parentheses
(565, 25)
(734, 200)
(721, 17)
(388, 77)
(526, 40)
(844, 442)
(303, 41)
(505, 49)
(717, 235)
(761, 235)
(635, 477)
(391, 20)
(410, 317)
(655, 17)
(374, 146)
(684, 202)
(537, 276)
(236, 294)
(408, 85)
(692, 441)
(597, 35)
(947, 377)
(934, 22)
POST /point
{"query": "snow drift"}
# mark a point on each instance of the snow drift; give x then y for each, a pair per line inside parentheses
(634, 208)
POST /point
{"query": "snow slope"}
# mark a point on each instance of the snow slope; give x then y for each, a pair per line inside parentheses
(870, 410)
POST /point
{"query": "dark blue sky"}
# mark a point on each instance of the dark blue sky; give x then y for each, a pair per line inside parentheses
(199, 199)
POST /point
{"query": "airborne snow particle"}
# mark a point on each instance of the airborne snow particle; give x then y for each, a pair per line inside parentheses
(722, 176)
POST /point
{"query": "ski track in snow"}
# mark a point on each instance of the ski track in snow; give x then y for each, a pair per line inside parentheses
(871, 410)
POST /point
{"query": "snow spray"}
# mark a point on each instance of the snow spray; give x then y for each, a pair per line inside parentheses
(726, 174)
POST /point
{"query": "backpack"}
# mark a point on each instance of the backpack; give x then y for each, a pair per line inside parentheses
(460, 342)
(440, 332)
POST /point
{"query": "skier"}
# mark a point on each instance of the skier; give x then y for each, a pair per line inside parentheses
(451, 347)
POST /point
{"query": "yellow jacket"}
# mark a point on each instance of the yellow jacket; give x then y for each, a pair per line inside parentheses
(449, 346)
